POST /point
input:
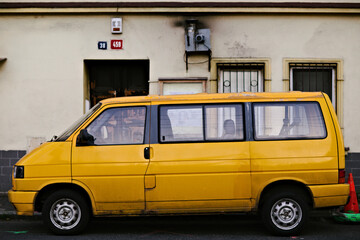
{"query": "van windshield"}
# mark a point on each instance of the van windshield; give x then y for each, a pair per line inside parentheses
(76, 124)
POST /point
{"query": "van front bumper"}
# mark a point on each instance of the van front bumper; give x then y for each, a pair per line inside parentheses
(23, 202)
(330, 195)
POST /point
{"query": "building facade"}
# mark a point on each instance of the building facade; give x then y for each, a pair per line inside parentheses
(57, 59)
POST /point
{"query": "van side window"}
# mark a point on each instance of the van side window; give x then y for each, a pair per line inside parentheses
(274, 121)
(117, 126)
(181, 123)
(224, 122)
(198, 123)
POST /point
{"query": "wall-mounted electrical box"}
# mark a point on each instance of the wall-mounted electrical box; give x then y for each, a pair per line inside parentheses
(197, 41)
(116, 25)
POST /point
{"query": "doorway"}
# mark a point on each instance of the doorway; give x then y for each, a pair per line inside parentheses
(116, 78)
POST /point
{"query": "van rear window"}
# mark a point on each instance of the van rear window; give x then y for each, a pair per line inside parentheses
(293, 120)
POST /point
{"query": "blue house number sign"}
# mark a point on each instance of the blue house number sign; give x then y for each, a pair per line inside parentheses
(102, 45)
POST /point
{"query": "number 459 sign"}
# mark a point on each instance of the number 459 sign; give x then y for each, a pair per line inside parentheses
(116, 44)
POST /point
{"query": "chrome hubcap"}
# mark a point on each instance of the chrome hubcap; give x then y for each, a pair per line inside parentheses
(65, 214)
(286, 214)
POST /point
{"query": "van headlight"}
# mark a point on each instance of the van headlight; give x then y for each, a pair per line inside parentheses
(19, 172)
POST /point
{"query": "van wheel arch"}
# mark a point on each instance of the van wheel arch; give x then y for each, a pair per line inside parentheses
(45, 192)
(292, 185)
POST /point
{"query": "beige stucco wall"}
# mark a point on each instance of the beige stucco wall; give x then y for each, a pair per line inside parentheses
(41, 82)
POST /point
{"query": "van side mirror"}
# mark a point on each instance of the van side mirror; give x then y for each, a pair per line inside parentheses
(85, 139)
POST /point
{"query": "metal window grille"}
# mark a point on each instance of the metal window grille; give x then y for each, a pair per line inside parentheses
(313, 77)
(244, 77)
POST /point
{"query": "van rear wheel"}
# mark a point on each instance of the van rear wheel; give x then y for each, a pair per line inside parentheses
(66, 212)
(285, 212)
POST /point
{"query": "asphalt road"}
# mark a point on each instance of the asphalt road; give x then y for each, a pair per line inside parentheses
(185, 227)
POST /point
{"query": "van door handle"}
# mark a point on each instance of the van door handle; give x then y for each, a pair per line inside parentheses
(147, 153)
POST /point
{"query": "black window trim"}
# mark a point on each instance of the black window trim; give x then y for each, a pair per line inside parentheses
(202, 105)
(288, 138)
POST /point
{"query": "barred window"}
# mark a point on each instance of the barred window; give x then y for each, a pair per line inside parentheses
(314, 77)
(244, 77)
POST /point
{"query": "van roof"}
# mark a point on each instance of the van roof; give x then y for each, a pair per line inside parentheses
(215, 96)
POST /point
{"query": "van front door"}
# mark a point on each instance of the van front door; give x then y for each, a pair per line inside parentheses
(201, 161)
(110, 157)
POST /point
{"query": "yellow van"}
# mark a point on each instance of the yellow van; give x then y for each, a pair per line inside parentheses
(280, 154)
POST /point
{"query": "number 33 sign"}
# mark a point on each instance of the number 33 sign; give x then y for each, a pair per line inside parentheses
(116, 44)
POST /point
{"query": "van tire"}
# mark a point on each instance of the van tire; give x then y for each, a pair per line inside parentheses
(66, 212)
(285, 212)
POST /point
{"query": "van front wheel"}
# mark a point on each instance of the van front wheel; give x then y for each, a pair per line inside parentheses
(285, 213)
(65, 212)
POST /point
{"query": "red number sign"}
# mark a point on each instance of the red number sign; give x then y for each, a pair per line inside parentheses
(116, 44)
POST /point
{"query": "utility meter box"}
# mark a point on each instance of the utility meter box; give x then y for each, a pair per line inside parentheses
(198, 40)
(116, 25)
